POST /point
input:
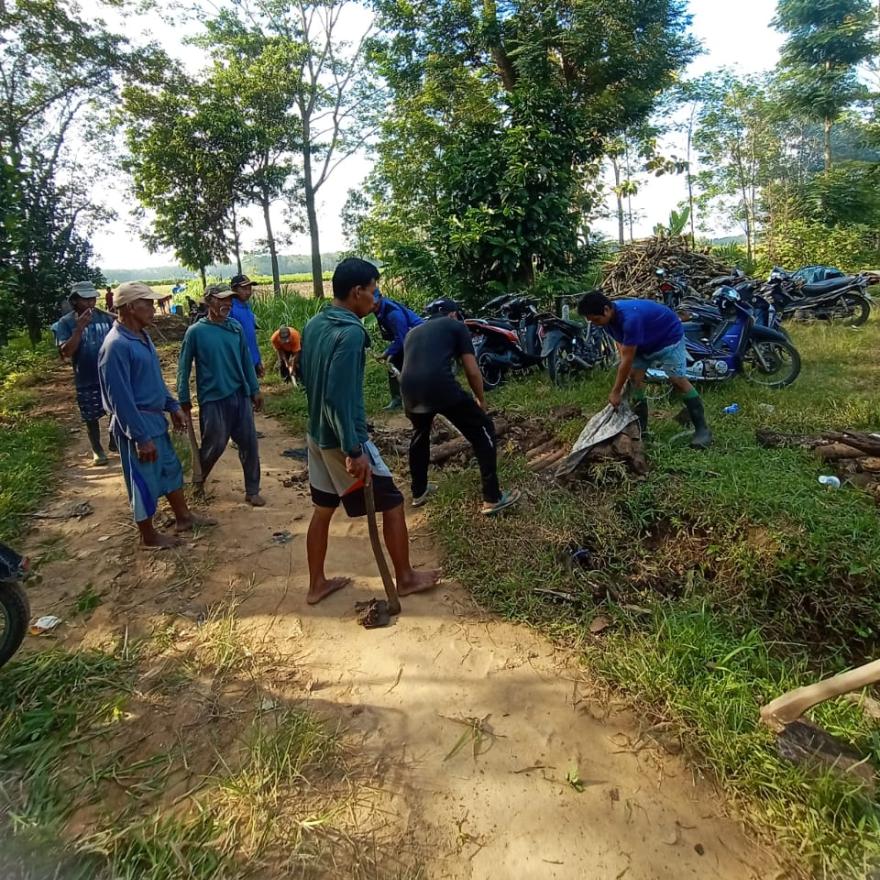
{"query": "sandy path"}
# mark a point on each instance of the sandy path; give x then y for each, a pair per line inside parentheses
(507, 812)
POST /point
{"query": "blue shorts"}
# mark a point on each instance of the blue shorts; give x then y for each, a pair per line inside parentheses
(672, 360)
(148, 481)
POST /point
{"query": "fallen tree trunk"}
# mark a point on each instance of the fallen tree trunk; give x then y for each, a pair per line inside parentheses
(445, 451)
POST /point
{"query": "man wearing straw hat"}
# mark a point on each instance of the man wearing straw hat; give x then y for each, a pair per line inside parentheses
(135, 393)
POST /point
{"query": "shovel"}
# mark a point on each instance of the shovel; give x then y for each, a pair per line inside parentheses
(801, 741)
(198, 478)
(378, 553)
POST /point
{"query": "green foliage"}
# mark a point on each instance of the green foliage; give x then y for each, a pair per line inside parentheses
(826, 43)
(499, 119)
(804, 242)
(675, 227)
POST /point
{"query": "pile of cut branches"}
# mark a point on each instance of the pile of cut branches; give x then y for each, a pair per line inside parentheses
(631, 272)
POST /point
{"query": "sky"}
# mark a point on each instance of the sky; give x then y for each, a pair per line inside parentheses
(734, 34)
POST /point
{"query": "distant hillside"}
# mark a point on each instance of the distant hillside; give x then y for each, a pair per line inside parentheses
(253, 265)
(728, 239)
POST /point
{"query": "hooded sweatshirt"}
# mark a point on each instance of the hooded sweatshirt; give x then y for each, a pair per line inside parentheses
(334, 351)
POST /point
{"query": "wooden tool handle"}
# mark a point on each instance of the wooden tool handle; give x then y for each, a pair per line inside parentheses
(789, 707)
(378, 553)
(198, 479)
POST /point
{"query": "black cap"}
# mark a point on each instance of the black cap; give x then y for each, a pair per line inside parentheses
(241, 280)
(442, 307)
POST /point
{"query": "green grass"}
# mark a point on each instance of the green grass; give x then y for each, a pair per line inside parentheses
(730, 575)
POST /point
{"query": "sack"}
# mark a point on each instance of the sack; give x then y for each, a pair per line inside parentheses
(611, 435)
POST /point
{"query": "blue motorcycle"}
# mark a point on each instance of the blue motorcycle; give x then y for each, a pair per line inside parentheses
(738, 346)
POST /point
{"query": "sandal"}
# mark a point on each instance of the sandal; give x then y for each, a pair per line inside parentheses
(508, 499)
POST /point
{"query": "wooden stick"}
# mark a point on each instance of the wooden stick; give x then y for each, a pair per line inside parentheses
(789, 707)
(378, 553)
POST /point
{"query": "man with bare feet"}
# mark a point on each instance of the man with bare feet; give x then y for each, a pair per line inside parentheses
(137, 398)
(342, 460)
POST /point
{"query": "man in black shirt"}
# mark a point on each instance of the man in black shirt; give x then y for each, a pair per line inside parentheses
(429, 387)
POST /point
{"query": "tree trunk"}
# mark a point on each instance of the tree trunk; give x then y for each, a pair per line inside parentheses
(690, 177)
(270, 241)
(204, 277)
(312, 216)
(236, 241)
(620, 218)
(629, 203)
(827, 150)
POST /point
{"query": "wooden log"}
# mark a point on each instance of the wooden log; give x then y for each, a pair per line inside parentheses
(838, 450)
(445, 451)
(541, 449)
(547, 459)
(872, 465)
(859, 439)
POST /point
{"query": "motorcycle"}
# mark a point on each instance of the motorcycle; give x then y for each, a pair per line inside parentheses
(15, 610)
(571, 347)
(499, 350)
(844, 299)
(739, 346)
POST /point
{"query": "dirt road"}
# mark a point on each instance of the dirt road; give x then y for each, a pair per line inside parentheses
(498, 762)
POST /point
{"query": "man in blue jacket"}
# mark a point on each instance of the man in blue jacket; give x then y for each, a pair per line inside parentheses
(243, 290)
(137, 398)
(395, 321)
(341, 457)
(227, 388)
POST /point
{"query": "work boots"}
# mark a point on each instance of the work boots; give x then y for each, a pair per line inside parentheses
(702, 435)
(640, 408)
(394, 388)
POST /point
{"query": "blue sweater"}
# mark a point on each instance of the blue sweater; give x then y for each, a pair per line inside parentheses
(132, 386)
(395, 321)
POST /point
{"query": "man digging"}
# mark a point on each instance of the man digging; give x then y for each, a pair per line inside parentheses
(226, 387)
(650, 336)
(429, 387)
(135, 393)
(79, 335)
(286, 342)
(341, 457)
(395, 321)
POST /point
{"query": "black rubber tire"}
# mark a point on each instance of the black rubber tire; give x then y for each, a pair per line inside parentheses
(559, 373)
(15, 614)
(861, 309)
(492, 374)
(793, 373)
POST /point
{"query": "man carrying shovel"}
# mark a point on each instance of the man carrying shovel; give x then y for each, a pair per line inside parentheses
(429, 388)
(649, 336)
(227, 389)
(342, 460)
(135, 393)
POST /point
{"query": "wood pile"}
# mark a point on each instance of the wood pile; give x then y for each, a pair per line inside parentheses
(854, 455)
(631, 272)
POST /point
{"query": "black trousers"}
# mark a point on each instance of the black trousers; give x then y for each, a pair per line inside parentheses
(477, 429)
(393, 383)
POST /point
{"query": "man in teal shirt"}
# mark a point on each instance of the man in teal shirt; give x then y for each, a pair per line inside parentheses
(342, 460)
(226, 386)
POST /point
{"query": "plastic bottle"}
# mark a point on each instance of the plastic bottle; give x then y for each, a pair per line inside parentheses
(831, 482)
(731, 410)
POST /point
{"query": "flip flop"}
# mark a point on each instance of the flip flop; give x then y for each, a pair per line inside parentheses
(425, 496)
(373, 613)
(508, 499)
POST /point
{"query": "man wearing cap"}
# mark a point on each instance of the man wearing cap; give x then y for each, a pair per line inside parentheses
(341, 458)
(243, 290)
(429, 387)
(135, 393)
(395, 321)
(226, 386)
(79, 335)
(286, 341)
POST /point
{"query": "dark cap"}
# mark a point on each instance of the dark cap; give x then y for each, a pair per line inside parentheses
(241, 281)
(442, 307)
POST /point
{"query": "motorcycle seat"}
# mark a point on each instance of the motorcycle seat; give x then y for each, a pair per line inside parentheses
(829, 286)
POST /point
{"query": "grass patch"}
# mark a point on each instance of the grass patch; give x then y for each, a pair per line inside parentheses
(730, 575)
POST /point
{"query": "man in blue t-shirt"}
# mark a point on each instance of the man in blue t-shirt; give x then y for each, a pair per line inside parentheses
(395, 321)
(243, 288)
(649, 336)
(79, 335)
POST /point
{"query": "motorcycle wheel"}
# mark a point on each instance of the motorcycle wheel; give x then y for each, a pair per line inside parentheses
(771, 364)
(15, 612)
(491, 372)
(609, 356)
(560, 365)
(852, 310)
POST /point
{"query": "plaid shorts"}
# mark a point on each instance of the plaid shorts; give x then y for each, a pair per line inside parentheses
(88, 399)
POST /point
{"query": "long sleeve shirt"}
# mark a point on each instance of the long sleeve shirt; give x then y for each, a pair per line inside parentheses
(334, 345)
(223, 362)
(132, 386)
(395, 321)
(244, 314)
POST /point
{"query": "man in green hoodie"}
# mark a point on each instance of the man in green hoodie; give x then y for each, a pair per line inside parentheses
(227, 388)
(341, 457)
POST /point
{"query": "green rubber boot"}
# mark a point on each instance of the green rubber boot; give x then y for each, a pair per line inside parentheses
(702, 435)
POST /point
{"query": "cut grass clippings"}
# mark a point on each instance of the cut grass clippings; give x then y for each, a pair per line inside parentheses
(729, 576)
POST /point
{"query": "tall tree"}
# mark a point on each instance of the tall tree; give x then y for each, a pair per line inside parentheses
(184, 163)
(57, 71)
(827, 41)
(500, 114)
